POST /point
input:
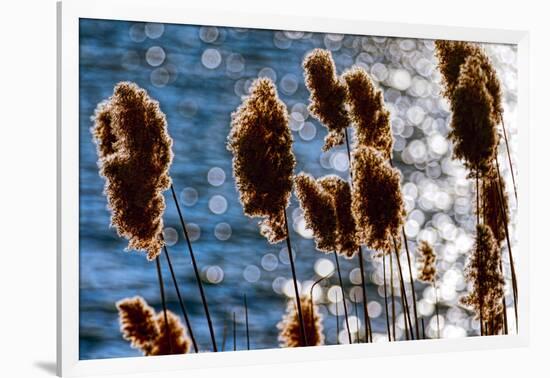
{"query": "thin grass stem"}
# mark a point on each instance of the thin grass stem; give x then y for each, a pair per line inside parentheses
(392, 299)
(411, 280)
(509, 156)
(163, 300)
(196, 270)
(479, 262)
(295, 281)
(386, 296)
(180, 300)
(368, 328)
(343, 294)
(312, 318)
(357, 333)
(405, 303)
(234, 332)
(506, 233)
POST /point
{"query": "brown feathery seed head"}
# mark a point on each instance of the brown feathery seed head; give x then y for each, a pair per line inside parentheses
(377, 202)
(328, 94)
(146, 329)
(494, 216)
(173, 340)
(319, 211)
(102, 132)
(452, 55)
(346, 229)
(137, 323)
(263, 162)
(368, 113)
(289, 326)
(135, 154)
(427, 271)
(484, 275)
(473, 130)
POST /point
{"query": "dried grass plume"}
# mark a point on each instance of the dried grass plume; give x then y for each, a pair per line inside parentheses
(473, 129)
(377, 202)
(289, 326)
(368, 113)
(452, 55)
(494, 216)
(134, 156)
(346, 230)
(263, 162)
(319, 211)
(328, 94)
(146, 330)
(485, 277)
(427, 272)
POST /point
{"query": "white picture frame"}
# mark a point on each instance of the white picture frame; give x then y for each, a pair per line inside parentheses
(165, 11)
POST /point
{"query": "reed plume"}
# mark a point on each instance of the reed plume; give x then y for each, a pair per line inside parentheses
(137, 322)
(135, 154)
(452, 55)
(172, 339)
(427, 272)
(346, 230)
(147, 331)
(485, 276)
(495, 213)
(368, 112)
(327, 95)
(377, 203)
(319, 211)
(473, 130)
(263, 162)
(289, 326)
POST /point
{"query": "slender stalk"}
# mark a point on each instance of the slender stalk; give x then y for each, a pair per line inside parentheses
(411, 281)
(437, 310)
(407, 337)
(195, 269)
(392, 299)
(512, 265)
(386, 296)
(295, 280)
(182, 306)
(311, 292)
(357, 337)
(368, 328)
(479, 263)
(509, 156)
(246, 322)
(163, 299)
(343, 294)
(404, 299)
(234, 332)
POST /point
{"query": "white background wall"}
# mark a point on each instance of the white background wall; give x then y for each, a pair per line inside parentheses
(27, 184)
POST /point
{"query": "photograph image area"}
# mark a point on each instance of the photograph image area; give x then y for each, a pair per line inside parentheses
(250, 189)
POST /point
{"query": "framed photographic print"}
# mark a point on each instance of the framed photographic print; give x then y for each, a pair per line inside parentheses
(265, 188)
